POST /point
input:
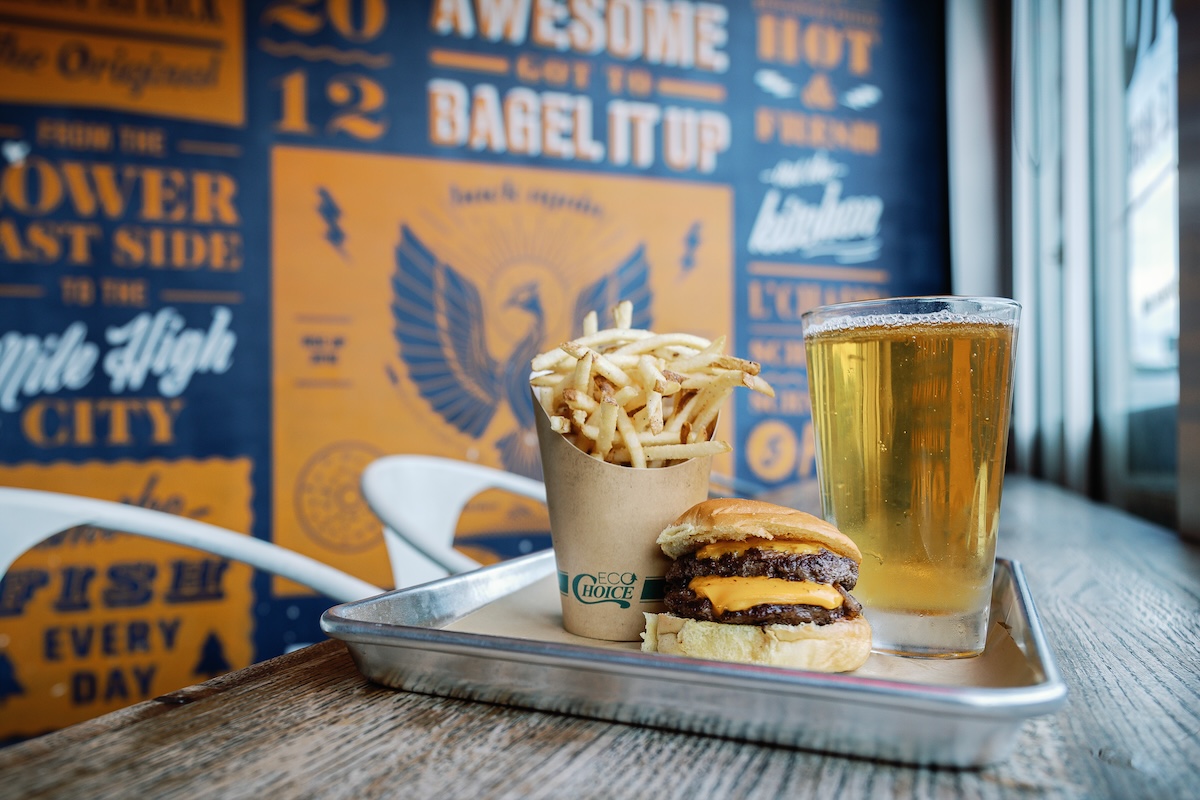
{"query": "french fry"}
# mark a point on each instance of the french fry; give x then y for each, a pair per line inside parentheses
(626, 361)
(649, 373)
(614, 336)
(655, 379)
(711, 381)
(591, 428)
(654, 342)
(638, 398)
(546, 398)
(548, 360)
(583, 372)
(627, 395)
(606, 427)
(636, 455)
(687, 363)
(685, 433)
(685, 407)
(706, 415)
(599, 363)
(676, 452)
(654, 411)
(605, 389)
(757, 384)
(603, 338)
(606, 422)
(715, 361)
(610, 370)
(579, 399)
(732, 362)
(623, 315)
(551, 379)
(649, 439)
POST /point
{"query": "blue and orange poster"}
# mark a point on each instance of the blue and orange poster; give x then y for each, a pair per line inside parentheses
(219, 226)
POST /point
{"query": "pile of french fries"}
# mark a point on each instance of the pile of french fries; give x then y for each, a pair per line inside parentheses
(633, 397)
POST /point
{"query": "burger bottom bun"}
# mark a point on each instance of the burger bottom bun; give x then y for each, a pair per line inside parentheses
(837, 647)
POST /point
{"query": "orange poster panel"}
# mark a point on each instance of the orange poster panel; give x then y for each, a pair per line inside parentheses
(177, 60)
(409, 296)
(92, 620)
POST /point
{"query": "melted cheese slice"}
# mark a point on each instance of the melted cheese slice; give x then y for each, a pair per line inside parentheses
(738, 594)
(718, 549)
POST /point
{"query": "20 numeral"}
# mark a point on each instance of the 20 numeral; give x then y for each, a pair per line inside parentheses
(305, 17)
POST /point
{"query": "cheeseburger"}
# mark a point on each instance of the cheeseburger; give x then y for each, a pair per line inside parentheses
(759, 583)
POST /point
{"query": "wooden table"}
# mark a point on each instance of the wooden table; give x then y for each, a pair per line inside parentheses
(309, 724)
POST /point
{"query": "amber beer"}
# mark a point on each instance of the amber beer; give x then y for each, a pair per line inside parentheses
(911, 403)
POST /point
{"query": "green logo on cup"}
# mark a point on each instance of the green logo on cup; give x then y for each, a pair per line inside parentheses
(610, 587)
(604, 587)
(653, 590)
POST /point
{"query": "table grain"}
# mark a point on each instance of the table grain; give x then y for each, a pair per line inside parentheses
(1119, 599)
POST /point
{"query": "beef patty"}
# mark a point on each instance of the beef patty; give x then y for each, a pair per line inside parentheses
(820, 567)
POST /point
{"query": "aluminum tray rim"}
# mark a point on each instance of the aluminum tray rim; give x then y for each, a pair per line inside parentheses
(999, 703)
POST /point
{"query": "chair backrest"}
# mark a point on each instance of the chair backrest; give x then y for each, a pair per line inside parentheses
(419, 500)
(28, 516)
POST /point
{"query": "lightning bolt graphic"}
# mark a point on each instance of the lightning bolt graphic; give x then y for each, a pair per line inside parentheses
(690, 243)
(329, 210)
(773, 446)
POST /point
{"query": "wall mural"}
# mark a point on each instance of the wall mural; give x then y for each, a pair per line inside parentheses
(247, 248)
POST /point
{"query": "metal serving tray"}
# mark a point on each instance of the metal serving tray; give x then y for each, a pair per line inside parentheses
(419, 639)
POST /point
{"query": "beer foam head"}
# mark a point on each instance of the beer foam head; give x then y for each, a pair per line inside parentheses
(934, 318)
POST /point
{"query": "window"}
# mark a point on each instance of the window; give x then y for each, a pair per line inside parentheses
(1135, 79)
(1095, 248)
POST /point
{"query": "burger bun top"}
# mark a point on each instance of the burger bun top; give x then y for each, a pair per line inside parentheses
(735, 519)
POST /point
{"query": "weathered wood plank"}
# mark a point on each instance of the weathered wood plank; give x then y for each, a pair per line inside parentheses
(308, 723)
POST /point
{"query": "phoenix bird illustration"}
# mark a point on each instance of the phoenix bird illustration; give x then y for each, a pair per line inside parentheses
(439, 327)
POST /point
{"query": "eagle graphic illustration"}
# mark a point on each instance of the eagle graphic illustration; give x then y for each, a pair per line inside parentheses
(439, 327)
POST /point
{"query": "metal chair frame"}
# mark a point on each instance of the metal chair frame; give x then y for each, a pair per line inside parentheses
(29, 516)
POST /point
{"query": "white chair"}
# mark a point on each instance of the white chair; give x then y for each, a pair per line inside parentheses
(28, 516)
(419, 500)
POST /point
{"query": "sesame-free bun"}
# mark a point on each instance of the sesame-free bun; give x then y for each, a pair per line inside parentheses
(837, 647)
(733, 519)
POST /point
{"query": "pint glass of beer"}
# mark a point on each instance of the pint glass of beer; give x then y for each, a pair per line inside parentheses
(910, 406)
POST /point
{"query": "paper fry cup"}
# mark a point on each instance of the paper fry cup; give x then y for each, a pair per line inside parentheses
(604, 520)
